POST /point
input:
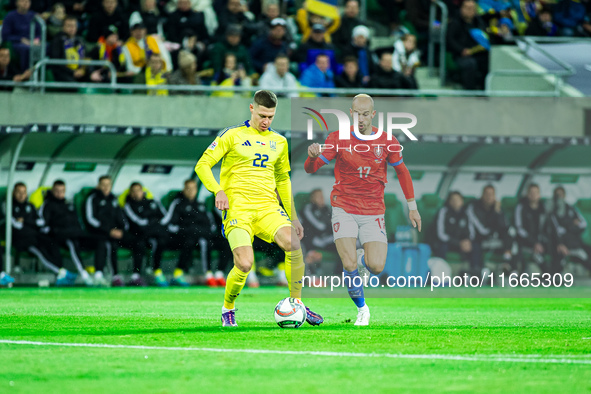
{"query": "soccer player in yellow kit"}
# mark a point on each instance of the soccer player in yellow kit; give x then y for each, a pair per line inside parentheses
(255, 163)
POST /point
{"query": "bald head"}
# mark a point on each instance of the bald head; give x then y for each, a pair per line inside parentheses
(363, 106)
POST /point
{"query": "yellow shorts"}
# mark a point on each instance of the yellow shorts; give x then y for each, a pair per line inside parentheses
(264, 222)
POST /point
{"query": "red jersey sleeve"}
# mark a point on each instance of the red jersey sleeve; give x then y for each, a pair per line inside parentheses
(394, 153)
(328, 153)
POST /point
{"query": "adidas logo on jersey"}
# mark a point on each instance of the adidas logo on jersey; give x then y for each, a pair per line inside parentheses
(247, 143)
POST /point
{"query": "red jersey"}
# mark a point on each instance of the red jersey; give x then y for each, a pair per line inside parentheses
(360, 171)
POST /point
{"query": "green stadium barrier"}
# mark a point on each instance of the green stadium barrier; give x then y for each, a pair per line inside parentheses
(394, 215)
(168, 198)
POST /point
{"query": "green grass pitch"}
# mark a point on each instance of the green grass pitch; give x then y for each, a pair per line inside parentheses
(412, 344)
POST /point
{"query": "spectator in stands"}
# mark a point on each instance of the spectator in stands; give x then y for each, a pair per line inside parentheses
(405, 60)
(185, 18)
(277, 76)
(153, 75)
(464, 40)
(107, 225)
(231, 45)
(316, 216)
(451, 228)
(186, 74)
(359, 48)
(144, 217)
(16, 30)
(68, 46)
(350, 77)
(109, 48)
(231, 75)
(139, 48)
(307, 51)
(319, 74)
(81, 8)
(191, 226)
(307, 20)
(542, 25)
(26, 235)
(192, 44)
(60, 220)
(349, 20)
(55, 20)
(109, 14)
(488, 228)
(529, 222)
(265, 50)
(565, 228)
(530, 9)
(568, 16)
(262, 26)
(149, 16)
(234, 13)
(385, 77)
(417, 13)
(392, 9)
(9, 71)
(502, 31)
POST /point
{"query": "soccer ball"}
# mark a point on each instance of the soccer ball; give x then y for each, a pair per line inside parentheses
(290, 313)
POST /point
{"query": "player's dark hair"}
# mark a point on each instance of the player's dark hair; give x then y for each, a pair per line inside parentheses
(190, 180)
(59, 182)
(557, 189)
(265, 98)
(104, 177)
(315, 191)
(532, 185)
(16, 185)
(134, 184)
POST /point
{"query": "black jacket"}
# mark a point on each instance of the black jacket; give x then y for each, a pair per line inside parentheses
(58, 215)
(178, 22)
(484, 223)
(459, 37)
(341, 81)
(451, 226)
(30, 223)
(143, 214)
(342, 37)
(58, 51)
(385, 79)
(562, 228)
(188, 216)
(317, 220)
(529, 223)
(100, 20)
(102, 213)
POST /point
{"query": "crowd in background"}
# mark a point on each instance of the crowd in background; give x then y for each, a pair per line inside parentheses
(545, 234)
(273, 43)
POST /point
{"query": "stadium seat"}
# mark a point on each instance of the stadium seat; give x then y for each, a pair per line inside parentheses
(168, 197)
(395, 215)
(123, 195)
(428, 205)
(79, 200)
(584, 207)
(36, 198)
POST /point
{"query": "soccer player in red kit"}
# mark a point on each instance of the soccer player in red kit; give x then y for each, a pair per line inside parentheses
(357, 197)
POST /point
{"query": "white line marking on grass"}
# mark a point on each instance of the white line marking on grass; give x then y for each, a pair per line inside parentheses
(517, 358)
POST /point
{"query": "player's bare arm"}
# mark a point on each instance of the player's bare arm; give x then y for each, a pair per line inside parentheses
(413, 214)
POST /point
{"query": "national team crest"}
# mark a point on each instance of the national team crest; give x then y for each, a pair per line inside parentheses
(336, 227)
(378, 151)
(273, 145)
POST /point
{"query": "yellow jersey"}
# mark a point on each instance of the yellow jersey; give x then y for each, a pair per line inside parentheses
(251, 160)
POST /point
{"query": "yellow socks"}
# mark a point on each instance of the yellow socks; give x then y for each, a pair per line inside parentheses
(178, 272)
(294, 271)
(234, 284)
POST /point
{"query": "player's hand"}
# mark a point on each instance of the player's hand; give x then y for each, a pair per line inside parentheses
(116, 233)
(298, 228)
(415, 219)
(314, 150)
(221, 201)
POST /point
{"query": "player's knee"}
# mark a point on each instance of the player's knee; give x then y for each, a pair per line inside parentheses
(243, 258)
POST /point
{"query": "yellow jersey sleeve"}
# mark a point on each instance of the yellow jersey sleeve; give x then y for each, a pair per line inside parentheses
(282, 165)
(214, 153)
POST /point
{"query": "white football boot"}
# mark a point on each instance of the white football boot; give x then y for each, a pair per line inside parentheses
(363, 316)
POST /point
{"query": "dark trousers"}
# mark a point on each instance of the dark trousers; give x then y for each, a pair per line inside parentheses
(157, 237)
(440, 249)
(105, 246)
(557, 261)
(473, 70)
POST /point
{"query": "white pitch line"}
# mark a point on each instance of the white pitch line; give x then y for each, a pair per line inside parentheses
(555, 359)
